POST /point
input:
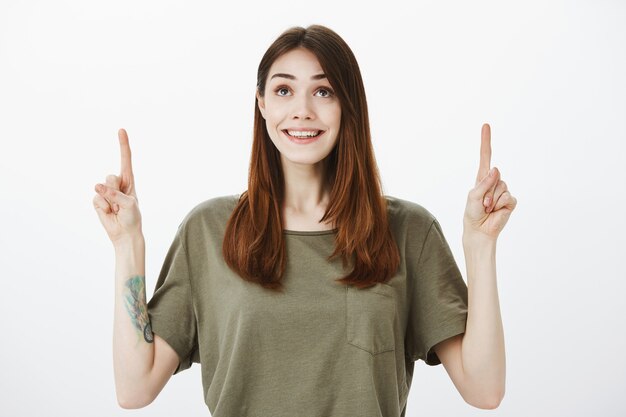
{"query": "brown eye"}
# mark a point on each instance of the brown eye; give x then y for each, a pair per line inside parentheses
(328, 91)
(279, 89)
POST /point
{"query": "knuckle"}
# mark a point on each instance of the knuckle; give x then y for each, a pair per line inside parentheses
(475, 194)
(98, 205)
(112, 180)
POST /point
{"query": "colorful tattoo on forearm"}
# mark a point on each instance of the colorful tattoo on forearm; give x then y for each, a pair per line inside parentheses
(137, 307)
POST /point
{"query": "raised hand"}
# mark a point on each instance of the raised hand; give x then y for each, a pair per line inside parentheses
(116, 200)
(489, 203)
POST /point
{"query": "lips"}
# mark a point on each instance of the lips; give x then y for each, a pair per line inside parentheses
(319, 132)
(304, 139)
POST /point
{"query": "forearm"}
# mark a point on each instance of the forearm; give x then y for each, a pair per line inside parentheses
(133, 349)
(483, 352)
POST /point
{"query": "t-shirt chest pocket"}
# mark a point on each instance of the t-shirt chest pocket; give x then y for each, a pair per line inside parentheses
(370, 315)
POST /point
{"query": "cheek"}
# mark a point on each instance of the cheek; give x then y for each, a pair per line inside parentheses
(334, 115)
(274, 115)
(325, 115)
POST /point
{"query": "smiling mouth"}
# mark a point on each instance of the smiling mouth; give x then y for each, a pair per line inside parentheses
(319, 132)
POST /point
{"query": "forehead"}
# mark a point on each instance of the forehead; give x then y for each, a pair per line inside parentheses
(298, 62)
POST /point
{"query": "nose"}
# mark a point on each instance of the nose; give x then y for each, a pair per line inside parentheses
(302, 108)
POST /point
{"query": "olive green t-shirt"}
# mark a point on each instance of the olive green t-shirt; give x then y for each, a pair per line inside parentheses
(320, 349)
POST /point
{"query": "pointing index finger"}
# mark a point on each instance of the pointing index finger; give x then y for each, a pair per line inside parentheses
(126, 165)
(485, 152)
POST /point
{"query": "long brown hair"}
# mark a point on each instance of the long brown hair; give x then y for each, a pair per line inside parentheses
(254, 245)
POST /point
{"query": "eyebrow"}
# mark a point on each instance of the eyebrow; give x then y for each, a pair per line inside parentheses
(292, 77)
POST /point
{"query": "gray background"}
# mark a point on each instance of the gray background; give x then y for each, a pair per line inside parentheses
(180, 76)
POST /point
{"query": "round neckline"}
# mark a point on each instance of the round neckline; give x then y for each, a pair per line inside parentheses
(310, 232)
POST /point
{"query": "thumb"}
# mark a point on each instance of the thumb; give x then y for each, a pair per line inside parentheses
(487, 183)
(113, 181)
(112, 195)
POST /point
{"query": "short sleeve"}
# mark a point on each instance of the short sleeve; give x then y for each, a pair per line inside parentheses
(171, 311)
(438, 298)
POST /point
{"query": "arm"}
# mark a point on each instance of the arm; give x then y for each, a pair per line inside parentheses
(475, 360)
(142, 362)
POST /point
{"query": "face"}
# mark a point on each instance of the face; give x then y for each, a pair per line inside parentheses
(297, 102)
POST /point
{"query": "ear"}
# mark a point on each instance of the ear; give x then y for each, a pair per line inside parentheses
(261, 101)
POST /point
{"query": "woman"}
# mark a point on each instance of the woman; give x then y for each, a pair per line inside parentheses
(311, 293)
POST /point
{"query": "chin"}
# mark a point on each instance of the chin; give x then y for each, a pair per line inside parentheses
(303, 159)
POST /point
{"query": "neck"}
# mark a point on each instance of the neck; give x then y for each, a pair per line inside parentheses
(305, 190)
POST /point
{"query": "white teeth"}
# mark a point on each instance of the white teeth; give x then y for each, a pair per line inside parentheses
(303, 134)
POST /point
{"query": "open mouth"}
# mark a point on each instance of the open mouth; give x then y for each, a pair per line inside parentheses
(319, 132)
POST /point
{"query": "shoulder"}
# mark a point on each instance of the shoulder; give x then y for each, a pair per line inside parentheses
(408, 215)
(215, 210)
(215, 205)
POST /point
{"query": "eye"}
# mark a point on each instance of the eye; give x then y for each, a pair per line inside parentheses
(329, 92)
(279, 89)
